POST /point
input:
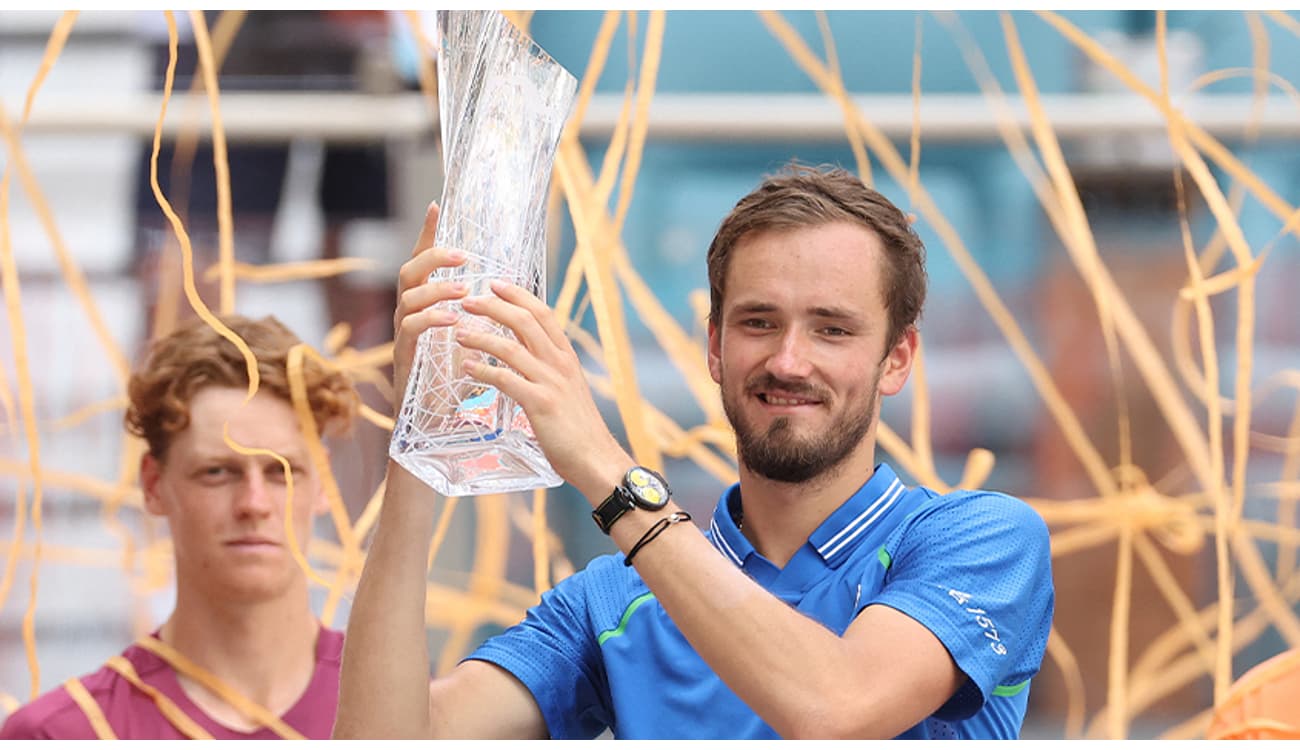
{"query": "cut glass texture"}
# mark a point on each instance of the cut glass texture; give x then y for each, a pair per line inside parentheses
(502, 103)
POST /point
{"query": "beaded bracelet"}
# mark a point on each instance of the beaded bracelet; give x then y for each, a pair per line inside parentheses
(654, 531)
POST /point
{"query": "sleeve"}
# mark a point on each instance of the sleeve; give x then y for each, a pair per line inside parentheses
(51, 716)
(976, 571)
(555, 654)
(20, 726)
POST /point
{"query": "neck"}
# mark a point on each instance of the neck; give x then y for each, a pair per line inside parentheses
(780, 516)
(264, 651)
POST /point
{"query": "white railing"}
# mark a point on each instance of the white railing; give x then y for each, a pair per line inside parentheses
(698, 117)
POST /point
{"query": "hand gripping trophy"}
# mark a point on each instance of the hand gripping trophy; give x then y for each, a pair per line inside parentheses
(502, 105)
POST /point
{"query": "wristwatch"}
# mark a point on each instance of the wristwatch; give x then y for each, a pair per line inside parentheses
(640, 488)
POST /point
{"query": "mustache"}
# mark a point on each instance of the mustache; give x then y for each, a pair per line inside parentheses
(768, 382)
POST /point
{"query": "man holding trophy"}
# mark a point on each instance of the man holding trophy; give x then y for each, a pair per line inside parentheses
(826, 599)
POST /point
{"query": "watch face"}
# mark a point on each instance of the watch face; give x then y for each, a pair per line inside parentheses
(648, 489)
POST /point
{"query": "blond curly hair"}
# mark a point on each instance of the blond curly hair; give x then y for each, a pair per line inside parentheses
(196, 356)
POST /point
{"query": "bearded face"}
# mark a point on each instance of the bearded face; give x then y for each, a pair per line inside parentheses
(785, 450)
(798, 349)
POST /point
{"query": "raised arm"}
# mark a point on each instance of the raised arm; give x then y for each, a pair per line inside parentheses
(385, 691)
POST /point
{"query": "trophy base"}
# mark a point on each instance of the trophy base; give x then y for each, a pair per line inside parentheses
(471, 463)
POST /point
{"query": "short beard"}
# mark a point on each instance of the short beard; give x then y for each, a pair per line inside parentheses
(777, 454)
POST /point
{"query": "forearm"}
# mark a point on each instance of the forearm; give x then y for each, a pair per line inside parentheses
(781, 663)
(384, 685)
(801, 678)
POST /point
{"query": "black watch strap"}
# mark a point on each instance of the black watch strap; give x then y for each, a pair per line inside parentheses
(612, 509)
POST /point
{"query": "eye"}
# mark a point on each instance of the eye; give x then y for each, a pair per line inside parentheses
(275, 471)
(756, 323)
(834, 331)
(215, 474)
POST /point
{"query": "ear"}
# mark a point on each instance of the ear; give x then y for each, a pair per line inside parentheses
(715, 352)
(898, 362)
(150, 478)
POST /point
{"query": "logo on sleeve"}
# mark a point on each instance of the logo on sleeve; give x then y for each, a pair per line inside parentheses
(982, 620)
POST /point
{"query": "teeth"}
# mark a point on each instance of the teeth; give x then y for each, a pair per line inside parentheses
(773, 400)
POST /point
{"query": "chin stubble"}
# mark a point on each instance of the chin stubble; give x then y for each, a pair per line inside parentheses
(779, 455)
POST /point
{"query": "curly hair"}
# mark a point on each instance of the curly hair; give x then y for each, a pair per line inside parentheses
(805, 196)
(196, 356)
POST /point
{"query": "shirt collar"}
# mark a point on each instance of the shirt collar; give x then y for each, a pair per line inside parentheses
(848, 525)
(838, 535)
(726, 535)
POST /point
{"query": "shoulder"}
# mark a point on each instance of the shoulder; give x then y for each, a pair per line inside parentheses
(588, 600)
(561, 628)
(609, 567)
(971, 529)
(602, 574)
(35, 720)
(55, 715)
(979, 510)
(599, 589)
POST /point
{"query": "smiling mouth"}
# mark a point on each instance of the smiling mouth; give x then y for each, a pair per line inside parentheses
(773, 400)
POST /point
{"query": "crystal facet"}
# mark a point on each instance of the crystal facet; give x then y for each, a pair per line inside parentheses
(502, 104)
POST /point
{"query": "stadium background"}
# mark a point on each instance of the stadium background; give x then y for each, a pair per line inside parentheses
(1111, 332)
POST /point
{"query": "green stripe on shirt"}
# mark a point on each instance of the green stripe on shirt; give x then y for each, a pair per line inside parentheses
(1006, 691)
(627, 615)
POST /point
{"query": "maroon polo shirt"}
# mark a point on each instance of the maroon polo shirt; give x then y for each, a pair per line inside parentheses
(134, 716)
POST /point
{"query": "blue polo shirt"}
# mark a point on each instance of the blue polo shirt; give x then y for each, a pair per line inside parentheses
(973, 567)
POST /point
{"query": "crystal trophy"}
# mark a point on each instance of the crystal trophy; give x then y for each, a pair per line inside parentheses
(502, 105)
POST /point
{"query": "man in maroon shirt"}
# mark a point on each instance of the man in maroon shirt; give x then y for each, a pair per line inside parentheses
(242, 656)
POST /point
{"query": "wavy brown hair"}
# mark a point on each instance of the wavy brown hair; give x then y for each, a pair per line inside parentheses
(196, 356)
(805, 196)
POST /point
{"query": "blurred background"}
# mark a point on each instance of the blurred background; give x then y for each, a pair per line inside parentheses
(1063, 346)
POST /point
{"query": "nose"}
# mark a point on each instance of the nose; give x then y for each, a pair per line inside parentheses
(790, 361)
(254, 498)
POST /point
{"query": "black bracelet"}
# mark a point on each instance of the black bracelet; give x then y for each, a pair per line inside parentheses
(654, 531)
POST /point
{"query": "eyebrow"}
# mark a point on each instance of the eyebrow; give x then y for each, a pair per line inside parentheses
(754, 307)
(293, 457)
(821, 311)
(839, 313)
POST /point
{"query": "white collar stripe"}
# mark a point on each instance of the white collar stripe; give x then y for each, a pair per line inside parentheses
(898, 492)
(849, 526)
(721, 542)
